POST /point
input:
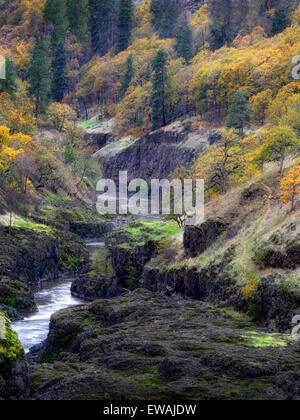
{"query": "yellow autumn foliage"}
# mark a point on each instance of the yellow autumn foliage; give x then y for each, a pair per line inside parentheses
(290, 185)
(12, 147)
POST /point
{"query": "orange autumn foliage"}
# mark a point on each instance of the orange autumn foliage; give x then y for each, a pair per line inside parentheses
(290, 186)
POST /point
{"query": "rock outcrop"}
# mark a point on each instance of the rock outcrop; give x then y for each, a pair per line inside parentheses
(155, 155)
(198, 239)
(14, 377)
(100, 135)
(28, 256)
(146, 346)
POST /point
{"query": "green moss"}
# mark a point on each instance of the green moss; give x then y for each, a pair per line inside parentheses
(53, 198)
(102, 264)
(133, 278)
(144, 231)
(68, 261)
(256, 339)
(237, 315)
(77, 214)
(10, 349)
(89, 124)
(16, 295)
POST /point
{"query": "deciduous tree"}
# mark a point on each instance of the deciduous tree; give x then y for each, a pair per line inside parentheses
(280, 142)
(159, 90)
(290, 186)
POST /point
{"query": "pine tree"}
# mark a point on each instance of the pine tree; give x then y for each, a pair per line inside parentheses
(124, 25)
(59, 78)
(39, 76)
(281, 20)
(290, 186)
(239, 111)
(159, 94)
(102, 25)
(128, 75)
(9, 84)
(184, 45)
(77, 14)
(164, 17)
(54, 13)
(220, 29)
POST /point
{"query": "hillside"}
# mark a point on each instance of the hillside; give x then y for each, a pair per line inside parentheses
(185, 89)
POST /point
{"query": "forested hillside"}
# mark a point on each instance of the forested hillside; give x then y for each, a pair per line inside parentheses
(70, 60)
(162, 89)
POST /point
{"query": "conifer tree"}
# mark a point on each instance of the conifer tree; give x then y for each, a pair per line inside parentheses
(184, 45)
(77, 14)
(164, 17)
(54, 13)
(102, 25)
(128, 75)
(9, 84)
(159, 96)
(39, 76)
(220, 29)
(124, 25)
(281, 20)
(59, 65)
(239, 111)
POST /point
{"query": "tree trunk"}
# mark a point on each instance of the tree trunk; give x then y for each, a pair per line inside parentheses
(281, 165)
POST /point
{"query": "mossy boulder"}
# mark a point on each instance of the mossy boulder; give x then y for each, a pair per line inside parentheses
(14, 378)
(15, 298)
(30, 256)
(198, 239)
(281, 250)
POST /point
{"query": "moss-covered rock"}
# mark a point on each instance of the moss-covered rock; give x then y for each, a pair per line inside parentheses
(145, 346)
(14, 379)
(133, 246)
(82, 221)
(281, 250)
(28, 256)
(198, 239)
(15, 298)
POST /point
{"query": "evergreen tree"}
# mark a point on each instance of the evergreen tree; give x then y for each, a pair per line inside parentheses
(239, 111)
(102, 25)
(59, 78)
(220, 29)
(77, 14)
(39, 76)
(184, 45)
(281, 20)
(9, 84)
(128, 75)
(164, 17)
(159, 96)
(124, 25)
(55, 14)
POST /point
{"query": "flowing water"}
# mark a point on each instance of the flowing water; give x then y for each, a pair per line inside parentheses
(50, 297)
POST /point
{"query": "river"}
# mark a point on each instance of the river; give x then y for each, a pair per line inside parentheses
(51, 297)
